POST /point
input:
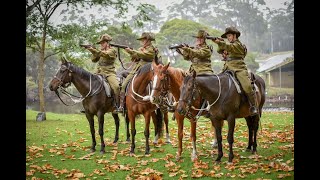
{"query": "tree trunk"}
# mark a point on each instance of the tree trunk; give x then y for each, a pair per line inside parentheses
(41, 69)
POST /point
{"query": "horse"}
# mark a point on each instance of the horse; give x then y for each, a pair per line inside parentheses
(137, 102)
(94, 98)
(169, 79)
(225, 103)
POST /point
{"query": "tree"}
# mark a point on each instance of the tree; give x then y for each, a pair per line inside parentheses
(40, 29)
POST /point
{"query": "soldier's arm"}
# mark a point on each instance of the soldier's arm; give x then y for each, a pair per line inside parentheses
(200, 53)
(232, 47)
(186, 53)
(142, 53)
(96, 54)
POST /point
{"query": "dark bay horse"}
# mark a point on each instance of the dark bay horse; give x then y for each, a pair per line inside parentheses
(137, 102)
(225, 104)
(94, 98)
(169, 79)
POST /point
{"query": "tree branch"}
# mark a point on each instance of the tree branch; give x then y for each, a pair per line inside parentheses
(54, 8)
(52, 54)
(30, 8)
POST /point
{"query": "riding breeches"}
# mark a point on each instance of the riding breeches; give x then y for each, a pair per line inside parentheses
(114, 83)
(242, 74)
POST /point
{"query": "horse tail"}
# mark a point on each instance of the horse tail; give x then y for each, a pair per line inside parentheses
(262, 89)
(159, 124)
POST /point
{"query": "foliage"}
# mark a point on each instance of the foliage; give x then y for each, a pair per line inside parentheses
(59, 148)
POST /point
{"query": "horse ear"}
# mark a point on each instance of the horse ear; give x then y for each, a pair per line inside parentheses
(63, 59)
(194, 74)
(166, 66)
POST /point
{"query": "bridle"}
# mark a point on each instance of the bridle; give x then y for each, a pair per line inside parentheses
(63, 85)
(190, 100)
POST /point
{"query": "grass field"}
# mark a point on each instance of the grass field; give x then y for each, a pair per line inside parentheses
(58, 148)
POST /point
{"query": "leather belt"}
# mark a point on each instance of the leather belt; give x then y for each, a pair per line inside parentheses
(234, 58)
(200, 61)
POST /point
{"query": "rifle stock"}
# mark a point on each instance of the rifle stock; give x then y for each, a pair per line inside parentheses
(214, 38)
(119, 46)
(179, 46)
(86, 45)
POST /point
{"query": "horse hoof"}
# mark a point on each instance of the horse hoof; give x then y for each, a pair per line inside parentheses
(92, 150)
(217, 162)
(254, 152)
(178, 158)
(248, 150)
(128, 140)
(146, 153)
(168, 142)
(132, 154)
(102, 152)
(229, 163)
(193, 159)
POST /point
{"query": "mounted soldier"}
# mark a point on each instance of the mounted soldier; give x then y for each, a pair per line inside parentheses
(234, 53)
(145, 54)
(199, 56)
(105, 57)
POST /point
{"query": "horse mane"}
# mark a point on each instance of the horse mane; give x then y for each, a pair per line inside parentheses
(81, 72)
(144, 69)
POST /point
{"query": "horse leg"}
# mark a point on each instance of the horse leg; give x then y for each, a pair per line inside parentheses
(133, 131)
(127, 127)
(146, 131)
(91, 123)
(255, 130)
(231, 124)
(217, 125)
(156, 134)
(215, 141)
(249, 121)
(101, 123)
(116, 122)
(166, 121)
(179, 119)
(193, 138)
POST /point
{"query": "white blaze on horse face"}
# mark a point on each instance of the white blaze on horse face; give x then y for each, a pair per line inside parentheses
(154, 84)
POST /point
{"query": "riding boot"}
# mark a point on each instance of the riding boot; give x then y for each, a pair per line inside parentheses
(120, 108)
(252, 101)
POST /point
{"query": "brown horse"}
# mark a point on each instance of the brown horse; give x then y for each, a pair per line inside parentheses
(169, 79)
(94, 98)
(137, 102)
(225, 104)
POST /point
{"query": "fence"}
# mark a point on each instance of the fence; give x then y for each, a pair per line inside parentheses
(281, 101)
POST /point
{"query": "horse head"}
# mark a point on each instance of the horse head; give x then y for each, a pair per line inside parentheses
(160, 80)
(189, 93)
(63, 76)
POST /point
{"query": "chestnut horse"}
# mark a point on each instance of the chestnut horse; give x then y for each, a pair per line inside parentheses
(94, 98)
(169, 79)
(137, 102)
(225, 104)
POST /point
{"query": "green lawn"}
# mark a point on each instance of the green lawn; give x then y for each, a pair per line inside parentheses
(58, 148)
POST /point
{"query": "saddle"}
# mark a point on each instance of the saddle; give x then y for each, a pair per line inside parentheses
(106, 85)
(236, 82)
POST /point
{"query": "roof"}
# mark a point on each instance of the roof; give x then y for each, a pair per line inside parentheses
(275, 62)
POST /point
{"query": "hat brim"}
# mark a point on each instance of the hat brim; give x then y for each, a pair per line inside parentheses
(198, 37)
(145, 38)
(225, 34)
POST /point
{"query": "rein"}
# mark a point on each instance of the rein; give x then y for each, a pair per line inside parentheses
(80, 99)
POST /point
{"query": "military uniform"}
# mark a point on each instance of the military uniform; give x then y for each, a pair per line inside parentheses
(199, 56)
(105, 66)
(235, 62)
(141, 57)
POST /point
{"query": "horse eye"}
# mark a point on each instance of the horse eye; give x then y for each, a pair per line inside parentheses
(63, 68)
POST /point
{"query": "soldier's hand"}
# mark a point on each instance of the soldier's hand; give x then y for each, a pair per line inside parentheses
(127, 49)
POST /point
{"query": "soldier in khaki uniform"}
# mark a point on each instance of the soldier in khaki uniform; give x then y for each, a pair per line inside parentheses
(142, 56)
(235, 61)
(200, 55)
(105, 57)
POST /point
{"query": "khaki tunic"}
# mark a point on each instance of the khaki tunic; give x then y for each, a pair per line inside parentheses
(105, 66)
(142, 56)
(237, 51)
(199, 57)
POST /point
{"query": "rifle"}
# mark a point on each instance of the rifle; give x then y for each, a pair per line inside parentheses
(119, 46)
(179, 46)
(214, 38)
(87, 45)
